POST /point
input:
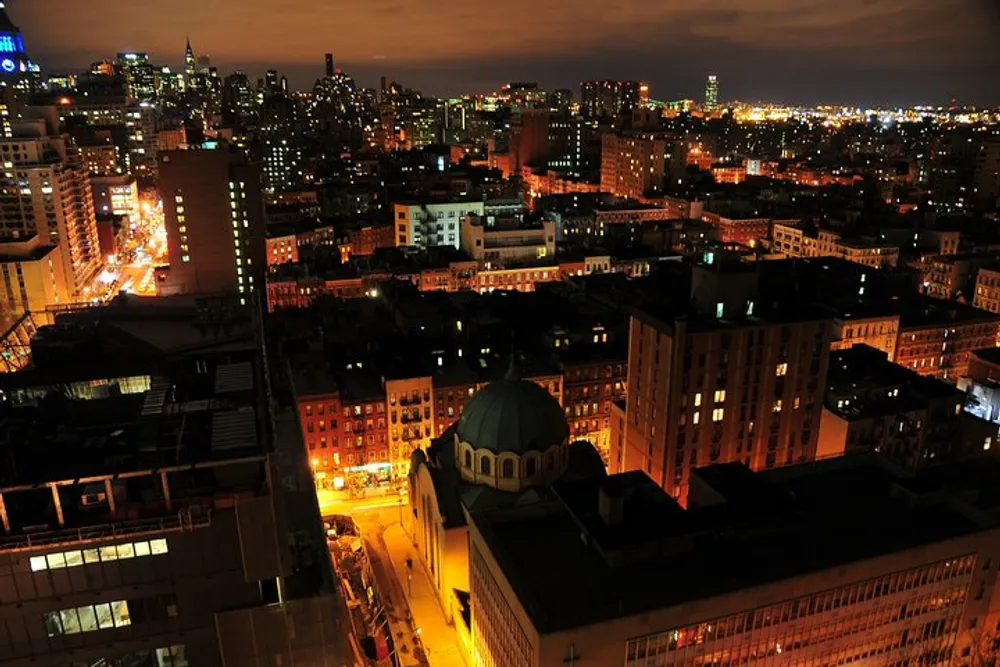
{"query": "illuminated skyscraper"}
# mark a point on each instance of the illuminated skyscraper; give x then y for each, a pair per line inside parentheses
(712, 92)
(139, 75)
(190, 65)
(45, 191)
(18, 75)
(279, 144)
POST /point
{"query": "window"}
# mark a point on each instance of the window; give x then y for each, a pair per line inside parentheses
(107, 553)
(720, 396)
(781, 370)
(89, 618)
(468, 459)
(697, 400)
(777, 406)
(484, 466)
(507, 469)
(718, 414)
(718, 310)
(696, 418)
(530, 467)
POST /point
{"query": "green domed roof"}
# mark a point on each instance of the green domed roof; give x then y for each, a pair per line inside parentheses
(513, 415)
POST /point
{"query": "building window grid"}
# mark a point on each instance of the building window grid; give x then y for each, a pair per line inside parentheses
(104, 554)
(499, 639)
(757, 635)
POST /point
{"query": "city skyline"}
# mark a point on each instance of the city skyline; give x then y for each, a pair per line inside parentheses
(860, 52)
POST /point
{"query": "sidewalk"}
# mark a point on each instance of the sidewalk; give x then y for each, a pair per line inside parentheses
(438, 638)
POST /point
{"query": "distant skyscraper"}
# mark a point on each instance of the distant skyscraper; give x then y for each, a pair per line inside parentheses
(214, 215)
(239, 98)
(18, 75)
(139, 75)
(329, 65)
(272, 84)
(279, 144)
(190, 65)
(606, 99)
(712, 92)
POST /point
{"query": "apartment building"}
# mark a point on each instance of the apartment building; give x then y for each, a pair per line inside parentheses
(936, 337)
(508, 240)
(428, 224)
(737, 376)
(32, 279)
(635, 163)
(746, 231)
(987, 291)
(876, 327)
(791, 239)
(46, 192)
(875, 405)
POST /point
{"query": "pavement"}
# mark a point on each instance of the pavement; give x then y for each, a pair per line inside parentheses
(439, 639)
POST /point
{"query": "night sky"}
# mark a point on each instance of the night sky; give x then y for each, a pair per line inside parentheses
(795, 51)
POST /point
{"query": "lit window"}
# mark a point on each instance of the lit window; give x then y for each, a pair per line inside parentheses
(777, 406)
(720, 396)
(781, 370)
(987, 442)
(718, 414)
(697, 400)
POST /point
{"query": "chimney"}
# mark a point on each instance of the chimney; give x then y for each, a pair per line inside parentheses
(610, 506)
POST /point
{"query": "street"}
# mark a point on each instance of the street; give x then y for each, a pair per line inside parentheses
(419, 631)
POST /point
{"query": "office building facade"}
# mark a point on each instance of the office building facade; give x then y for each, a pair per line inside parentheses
(918, 589)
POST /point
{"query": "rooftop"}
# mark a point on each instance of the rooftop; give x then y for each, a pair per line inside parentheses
(863, 383)
(620, 535)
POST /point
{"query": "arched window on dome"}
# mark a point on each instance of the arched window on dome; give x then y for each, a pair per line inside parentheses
(468, 459)
(484, 466)
(530, 467)
(507, 469)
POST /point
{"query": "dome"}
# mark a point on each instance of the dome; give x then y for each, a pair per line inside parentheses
(513, 415)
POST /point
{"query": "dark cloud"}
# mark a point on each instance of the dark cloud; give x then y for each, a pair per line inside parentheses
(849, 51)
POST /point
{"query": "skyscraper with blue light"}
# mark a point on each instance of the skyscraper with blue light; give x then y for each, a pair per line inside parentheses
(18, 75)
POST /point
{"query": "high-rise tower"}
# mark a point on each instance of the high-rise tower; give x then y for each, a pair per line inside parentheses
(190, 65)
(712, 92)
(18, 75)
